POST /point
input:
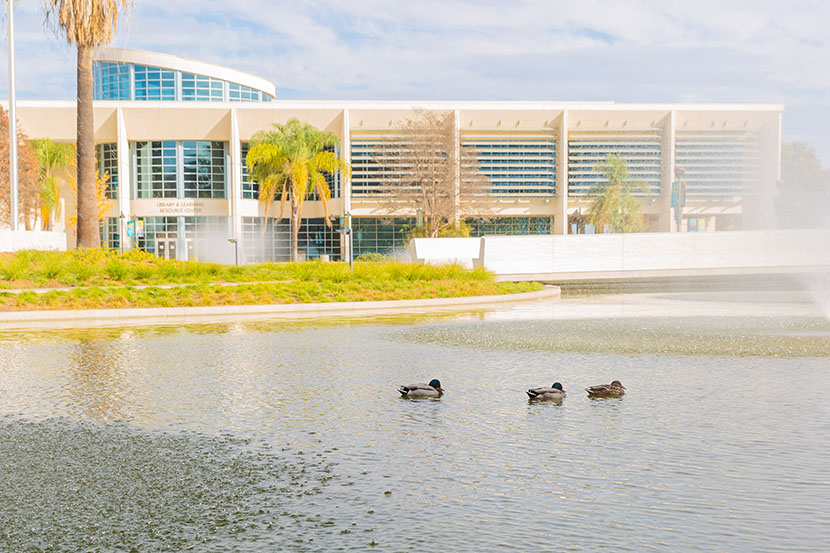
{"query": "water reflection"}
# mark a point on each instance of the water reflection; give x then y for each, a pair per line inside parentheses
(99, 384)
(182, 434)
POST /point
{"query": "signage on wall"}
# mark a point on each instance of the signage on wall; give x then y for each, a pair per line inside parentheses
(179, 207)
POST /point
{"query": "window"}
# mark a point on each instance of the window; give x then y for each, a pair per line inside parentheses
(203, 169)
(240, 93)
(718, 164)
(642, 153)
(250, 188)
(155, 167)
(202, 89)
(126, 81)
(154, 83)
(112, 80)
(156, 227)
(517, 166)
(375, 235)
(509, 226)
(314, 239)
(108, 229)
(202, 165)
(206, 239)
(106, 155)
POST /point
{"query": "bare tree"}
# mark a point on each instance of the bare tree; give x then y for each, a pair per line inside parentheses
(421, 169)
(27, 176)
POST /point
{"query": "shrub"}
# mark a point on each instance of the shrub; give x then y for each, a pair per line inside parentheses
(143, 271)
(13, 268)
(374, 258)
(50, 267)
(82, 271)
(116, 270)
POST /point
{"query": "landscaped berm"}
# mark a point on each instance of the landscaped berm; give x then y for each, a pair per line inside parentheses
(101, 279)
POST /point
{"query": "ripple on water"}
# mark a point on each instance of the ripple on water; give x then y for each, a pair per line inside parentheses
(82, 486)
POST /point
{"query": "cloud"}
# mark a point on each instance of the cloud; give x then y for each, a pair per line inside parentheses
(633, 50)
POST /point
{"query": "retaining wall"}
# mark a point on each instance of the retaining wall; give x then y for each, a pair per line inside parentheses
(15, 240)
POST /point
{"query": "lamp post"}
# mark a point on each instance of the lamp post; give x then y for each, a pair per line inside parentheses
(12, 120)
(347, 232)
(121, 231)
(235, 243)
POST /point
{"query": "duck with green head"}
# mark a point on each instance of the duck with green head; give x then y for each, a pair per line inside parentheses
(615, 389)
(554, 392)
(417, 391)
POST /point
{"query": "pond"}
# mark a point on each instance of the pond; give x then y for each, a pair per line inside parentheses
(289, 435)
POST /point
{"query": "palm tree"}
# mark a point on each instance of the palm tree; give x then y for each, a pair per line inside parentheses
(614, 203)
(289, 161)
(51, 157)
(86, 24)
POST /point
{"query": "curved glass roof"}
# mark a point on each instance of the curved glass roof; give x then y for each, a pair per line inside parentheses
(139, 75)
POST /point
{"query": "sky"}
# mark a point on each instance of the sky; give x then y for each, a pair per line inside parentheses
(726, 51)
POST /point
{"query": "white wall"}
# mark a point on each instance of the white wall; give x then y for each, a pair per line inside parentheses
(522, 255)
(440, 251)
(15, 240)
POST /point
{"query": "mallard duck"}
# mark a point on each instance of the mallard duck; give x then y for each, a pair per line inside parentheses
(615, 389)
(554, 392)
(433, 389)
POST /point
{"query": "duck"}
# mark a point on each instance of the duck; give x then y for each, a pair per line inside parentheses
(615, 389)
(554, 392)
(433, 389)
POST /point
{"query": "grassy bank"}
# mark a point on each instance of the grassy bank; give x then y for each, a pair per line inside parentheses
(96, 279)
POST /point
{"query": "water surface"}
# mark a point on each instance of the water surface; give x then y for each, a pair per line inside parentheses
(288, 435)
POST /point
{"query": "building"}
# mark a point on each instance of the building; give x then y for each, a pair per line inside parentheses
(172, 133)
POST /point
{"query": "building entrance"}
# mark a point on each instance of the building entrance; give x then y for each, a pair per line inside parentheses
(166, 245)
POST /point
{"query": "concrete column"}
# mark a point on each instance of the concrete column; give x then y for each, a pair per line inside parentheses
(560, 215)
(125, 177)
(235, 192)
(759, 208)
(665, 221)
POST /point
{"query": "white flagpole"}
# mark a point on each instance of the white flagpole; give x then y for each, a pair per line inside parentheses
(12, 120)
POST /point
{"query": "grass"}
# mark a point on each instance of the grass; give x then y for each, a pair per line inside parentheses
(96, 279)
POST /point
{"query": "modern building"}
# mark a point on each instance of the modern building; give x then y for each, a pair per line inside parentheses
(173, 133)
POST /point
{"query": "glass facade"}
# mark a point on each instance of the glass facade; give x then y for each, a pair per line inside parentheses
(155, 229)
(241, 93)
(108, 230)
(206, 239)
(315, 238)
(203, 169)
(376, 235)
(111, 81)
(518, 166)
(198, 88)
(155, 169)
(642, 153)
(127, 81)
(154, 83)
(510, 226)
(250, 189)
(367, 173)
(718, 164)
(106, 156)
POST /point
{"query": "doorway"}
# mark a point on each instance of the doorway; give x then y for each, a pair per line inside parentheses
(166, 245)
